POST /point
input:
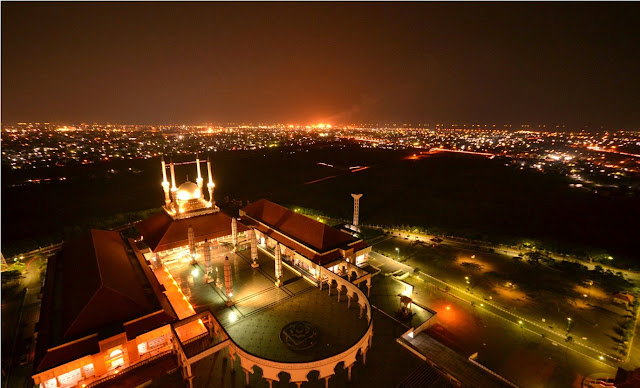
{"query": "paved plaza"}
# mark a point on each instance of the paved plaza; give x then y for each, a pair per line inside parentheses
(261, 309)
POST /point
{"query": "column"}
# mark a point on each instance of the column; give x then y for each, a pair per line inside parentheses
(234, 232)
(228, 285)
(207, 261)
(246, 372)
(278, 264)
(348, 300)
(349, 372)
(368, 287)
(254, 249)
(326, 381)
(192, 244)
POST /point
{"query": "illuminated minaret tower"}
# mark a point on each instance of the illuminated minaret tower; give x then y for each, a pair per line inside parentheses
(199, 181)
(356, 208)
(210, 185)
(174, 189)
(165, 184)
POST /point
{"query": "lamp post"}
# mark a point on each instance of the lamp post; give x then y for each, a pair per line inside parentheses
(568, 324)
(398, 250)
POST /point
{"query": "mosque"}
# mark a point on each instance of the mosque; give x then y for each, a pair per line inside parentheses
(281, 296)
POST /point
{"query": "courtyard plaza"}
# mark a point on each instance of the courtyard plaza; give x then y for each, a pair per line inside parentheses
(260, 310)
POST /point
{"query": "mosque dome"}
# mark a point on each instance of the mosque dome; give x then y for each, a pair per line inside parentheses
(189, 190)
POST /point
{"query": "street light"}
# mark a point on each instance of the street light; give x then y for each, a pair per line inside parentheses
(568, 324)
(398, 250)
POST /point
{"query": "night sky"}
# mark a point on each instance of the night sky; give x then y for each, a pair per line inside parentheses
(154, 63)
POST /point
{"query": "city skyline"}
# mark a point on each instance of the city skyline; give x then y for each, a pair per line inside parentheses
(325, 62)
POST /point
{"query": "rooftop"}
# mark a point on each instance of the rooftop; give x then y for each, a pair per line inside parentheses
(92, 271)
(161, 231)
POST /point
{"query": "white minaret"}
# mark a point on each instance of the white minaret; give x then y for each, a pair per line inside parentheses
(210, 185)
(199, 180)
(356, 208)
(165, 184)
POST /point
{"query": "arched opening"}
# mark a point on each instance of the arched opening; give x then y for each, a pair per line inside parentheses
(313, 377)
(284, 378)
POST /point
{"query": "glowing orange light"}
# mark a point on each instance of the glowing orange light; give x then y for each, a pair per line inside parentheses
(448, 308)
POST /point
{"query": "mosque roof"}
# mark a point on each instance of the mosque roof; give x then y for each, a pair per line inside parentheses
(161, 232)
(189, 190)
(93, 271)
(321, 237)
(314, 240)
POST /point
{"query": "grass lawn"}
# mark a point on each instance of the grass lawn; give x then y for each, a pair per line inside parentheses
(535, 291)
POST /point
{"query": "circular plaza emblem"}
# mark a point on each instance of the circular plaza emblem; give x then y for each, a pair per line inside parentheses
(299, 335)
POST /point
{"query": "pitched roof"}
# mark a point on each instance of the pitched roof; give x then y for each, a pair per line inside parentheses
(314, 234)
(161, 232)
(97, 273)
(93, 287)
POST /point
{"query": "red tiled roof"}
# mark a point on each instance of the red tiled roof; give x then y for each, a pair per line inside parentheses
(161, 232)
(97, 273)
(93, 286)
(319, 258)
(316, 235)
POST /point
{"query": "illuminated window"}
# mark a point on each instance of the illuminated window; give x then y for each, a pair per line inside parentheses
(51, 383)
(70, 378)
(115, 353)
(142, 348)
(88, 370)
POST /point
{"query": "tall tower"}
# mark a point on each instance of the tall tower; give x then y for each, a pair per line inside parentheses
(210, 185)
(174, 189)
(165, 184)
(356, 208)
(199, 181)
